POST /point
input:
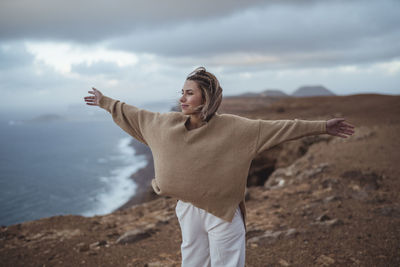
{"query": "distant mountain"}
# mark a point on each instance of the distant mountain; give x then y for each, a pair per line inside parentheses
(274, 93)
(247, 94)
(317, 90)
(265, 93)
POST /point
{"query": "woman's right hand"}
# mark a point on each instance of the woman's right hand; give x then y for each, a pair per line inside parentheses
(93, 100)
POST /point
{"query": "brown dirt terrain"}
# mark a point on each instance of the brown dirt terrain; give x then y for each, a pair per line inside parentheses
(327, 202)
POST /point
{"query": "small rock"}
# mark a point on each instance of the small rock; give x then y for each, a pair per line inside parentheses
(135, 235)
(329, 223)
(274, 182)
(164, 220)
(368, 180)
(323, 218)
(291, 232)
(355, 260)
(331, 199)
(160, 264)
(164, 255)
(83, 247)
(102, 243)
(94, 245)
(37, 236)
(268, 237)
(283, 262)
(315, 170)
(325, 260)
(98, 244)
(334, 222)
(329, 182)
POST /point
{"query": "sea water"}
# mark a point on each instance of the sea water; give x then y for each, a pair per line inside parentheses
(64, 167)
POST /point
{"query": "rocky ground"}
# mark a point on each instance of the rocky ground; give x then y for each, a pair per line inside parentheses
(318, 201)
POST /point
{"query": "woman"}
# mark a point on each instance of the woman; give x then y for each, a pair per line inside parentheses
(202, 158)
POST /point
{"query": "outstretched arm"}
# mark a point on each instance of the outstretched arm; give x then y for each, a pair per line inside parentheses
(275, 132)
(137, 122)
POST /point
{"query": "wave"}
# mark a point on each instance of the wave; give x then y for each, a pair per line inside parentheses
(119, 187)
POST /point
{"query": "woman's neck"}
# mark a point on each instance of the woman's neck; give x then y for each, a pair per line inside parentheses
(194, 122)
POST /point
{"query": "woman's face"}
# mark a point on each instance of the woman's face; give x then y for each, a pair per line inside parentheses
(191, 97)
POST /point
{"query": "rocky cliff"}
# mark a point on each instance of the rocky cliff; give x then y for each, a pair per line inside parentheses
(318, 201)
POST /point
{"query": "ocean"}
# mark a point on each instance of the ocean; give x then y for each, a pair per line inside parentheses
(64, 167)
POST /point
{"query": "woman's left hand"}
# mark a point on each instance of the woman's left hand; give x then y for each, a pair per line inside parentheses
(338, 127)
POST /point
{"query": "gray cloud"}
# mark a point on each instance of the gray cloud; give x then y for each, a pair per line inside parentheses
(253, 34)
(26, 83)
(298, 35)
(97, 68)
(14, 55)
(247, 44)
(95, 20)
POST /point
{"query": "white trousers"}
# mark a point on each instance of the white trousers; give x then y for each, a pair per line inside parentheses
(208, 240)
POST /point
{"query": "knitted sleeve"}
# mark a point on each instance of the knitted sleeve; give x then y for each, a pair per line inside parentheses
(133, 120)
(275, 132)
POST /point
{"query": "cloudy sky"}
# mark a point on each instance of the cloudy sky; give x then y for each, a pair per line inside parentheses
(52, 52)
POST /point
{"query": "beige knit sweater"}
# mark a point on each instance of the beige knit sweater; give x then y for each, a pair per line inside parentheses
(207, 166)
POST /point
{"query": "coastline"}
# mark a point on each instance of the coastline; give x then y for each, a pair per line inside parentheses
(142, 177)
